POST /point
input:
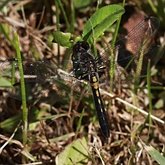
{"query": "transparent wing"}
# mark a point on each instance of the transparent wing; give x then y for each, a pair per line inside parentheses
(126, 47)
(38, 71)
(141, 34)
(41, 77)
(129, 47)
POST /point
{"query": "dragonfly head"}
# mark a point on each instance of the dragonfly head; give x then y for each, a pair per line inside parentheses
(81, 46)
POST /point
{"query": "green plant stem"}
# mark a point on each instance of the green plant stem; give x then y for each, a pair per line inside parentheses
(23, 91)
(64, 13)
(58, 29)
(139, 67)
(149, 93)
(112, 52)
(72, 16)
(154, 9)
(117, 29)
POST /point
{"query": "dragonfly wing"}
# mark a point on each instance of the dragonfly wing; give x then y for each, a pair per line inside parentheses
(141, 34)
(138, 40)
(39, 73)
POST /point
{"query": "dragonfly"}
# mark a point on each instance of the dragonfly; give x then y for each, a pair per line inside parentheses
(90, 68)
(85, 67)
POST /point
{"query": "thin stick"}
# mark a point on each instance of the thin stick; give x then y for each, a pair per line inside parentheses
(117, 98)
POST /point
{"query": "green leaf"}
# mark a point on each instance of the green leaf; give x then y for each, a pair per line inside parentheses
(3, 3)
(10, 124)
(159, 104)
(5, 83)
(155, 154)
(63, 39)
(75, 153)
(81, 3)
(101, 20)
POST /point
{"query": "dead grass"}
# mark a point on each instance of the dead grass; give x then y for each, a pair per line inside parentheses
(55, 109)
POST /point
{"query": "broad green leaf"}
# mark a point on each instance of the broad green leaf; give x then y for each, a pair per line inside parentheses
(5, 83)
(75, 153)
(155, 154)
(63, 39)
(101, 20)
(81, 3)
(10, 124)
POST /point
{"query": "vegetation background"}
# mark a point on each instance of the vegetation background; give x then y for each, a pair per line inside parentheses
(55, 122)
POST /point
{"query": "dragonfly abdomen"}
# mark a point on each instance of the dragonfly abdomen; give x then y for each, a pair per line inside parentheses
(101, 113)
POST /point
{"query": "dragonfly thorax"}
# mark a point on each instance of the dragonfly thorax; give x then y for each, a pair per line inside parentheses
(83, 62)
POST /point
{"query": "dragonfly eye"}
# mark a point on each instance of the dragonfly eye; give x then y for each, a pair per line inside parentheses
(81, 46)
(85, 45)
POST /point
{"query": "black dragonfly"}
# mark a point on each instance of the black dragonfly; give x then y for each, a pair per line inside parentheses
(90, 68)
(87, 68)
